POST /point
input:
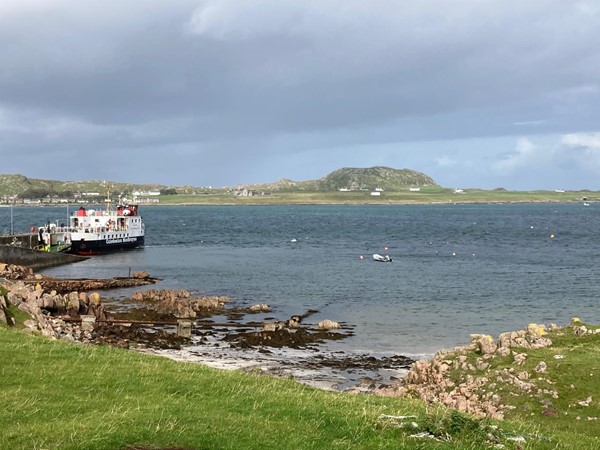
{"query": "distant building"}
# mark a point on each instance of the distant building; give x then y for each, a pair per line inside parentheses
(245, 192)
(145, 193)
(147, 200)
(414, 189)
(459, 191)
(376, 193)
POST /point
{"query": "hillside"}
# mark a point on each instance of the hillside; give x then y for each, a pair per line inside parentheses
(374, 177)
(355, 179)
(346, 178)
(19, 185)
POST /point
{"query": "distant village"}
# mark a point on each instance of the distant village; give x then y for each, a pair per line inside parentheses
(141, 197)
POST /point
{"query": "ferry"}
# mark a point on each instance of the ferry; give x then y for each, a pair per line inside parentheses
(92, 232)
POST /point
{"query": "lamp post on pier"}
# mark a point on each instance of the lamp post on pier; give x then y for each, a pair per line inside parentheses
(12, 231)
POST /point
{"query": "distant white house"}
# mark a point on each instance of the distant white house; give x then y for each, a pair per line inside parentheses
(148, 200)
(344, 190)
(90, 194)
(145, 193)
(459, 191)
(376, 193)
(414, 189)
(378, 190)
(559, 190)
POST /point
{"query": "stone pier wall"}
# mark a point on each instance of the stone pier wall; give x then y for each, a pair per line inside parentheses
(28, 240)
(23, 256)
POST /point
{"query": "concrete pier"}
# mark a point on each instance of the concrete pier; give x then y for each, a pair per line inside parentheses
(18, 249)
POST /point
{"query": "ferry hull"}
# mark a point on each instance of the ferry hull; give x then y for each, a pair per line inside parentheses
(95, 247)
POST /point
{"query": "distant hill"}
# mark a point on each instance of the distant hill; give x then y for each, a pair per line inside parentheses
(374, 177)
(13, 184)
(385, 178)
(351, 178)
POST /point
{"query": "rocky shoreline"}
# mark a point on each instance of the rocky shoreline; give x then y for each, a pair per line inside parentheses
(147, 322)
(464, 378)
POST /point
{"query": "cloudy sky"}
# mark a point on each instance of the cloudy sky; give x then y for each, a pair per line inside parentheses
(488, 93)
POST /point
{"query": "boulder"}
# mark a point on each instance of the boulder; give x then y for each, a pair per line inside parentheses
(262, 307)
(94, 298)
(209, 302)
(328, 325)
(273, 326)
(484, 343)
(294, 321)
(141, 275)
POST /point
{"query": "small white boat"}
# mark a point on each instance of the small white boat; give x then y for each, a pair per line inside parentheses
(381, 258)
(586, 204)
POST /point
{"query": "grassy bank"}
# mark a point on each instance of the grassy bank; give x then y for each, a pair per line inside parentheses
(56, 395)
(431, 194)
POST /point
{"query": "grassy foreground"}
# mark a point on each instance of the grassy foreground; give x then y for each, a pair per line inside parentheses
(56, 395)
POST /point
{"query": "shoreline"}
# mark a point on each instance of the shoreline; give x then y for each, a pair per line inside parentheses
(466, 378)
(382, 202)
(56, 309)
(303, 365)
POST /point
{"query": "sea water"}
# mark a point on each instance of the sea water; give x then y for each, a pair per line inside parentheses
(456, 270)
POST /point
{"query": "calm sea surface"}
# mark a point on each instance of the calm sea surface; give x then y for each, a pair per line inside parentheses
(457, 269)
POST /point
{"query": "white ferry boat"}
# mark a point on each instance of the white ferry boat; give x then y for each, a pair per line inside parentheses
(92, 232)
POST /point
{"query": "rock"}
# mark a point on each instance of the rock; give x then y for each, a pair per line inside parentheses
(585, 402)
(294, 322)
(73, 306)
(536, 330)
(520, 358)
(328, 325)
(541, 367)
(503, 351)
(210, 302)
(262, 307)
(31, 324)
(485, 344)
(273, 326)
(94, 298)
(73, 297)
(141, 275)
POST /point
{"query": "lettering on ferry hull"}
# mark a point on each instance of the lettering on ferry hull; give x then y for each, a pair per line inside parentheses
(120, 240)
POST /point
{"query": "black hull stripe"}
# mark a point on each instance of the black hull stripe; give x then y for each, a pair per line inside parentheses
(101, 246)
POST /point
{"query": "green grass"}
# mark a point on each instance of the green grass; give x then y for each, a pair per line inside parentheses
(552, 405)
(56, 395)
(430, 194)
(575, 377)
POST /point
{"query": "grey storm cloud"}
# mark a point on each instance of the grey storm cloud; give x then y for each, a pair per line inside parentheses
(220, 81)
